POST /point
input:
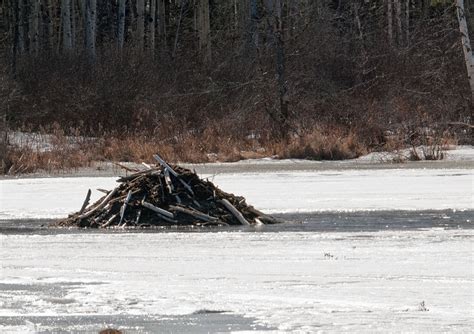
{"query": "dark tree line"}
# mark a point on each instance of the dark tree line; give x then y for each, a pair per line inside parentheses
(285, 65)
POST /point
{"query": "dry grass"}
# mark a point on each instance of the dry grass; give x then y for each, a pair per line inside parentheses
(55, 152)
(26, 160)
(328, 144)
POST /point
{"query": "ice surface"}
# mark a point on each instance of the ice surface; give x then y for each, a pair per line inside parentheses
(272, 192)
(330, 280)
(294, 281)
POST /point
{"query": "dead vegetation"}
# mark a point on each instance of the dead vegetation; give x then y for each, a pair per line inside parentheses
(53, 151)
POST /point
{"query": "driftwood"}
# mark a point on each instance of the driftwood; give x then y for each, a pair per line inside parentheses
(162, 212)
(194, 213)
(86, 201)
(133, 170)
(147, 166)
(100, 205)
(234, 211)
(109, 221)
(169, 169)
(164, 195)
(124, 207)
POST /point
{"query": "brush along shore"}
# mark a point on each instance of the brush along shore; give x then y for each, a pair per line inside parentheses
(165, 195)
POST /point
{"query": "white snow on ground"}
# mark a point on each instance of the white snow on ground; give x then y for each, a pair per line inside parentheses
(272, 192)
(44, 142)
(451, 153)
(461, 153)
(369, 282)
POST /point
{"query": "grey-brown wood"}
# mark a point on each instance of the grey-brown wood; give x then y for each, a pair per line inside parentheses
(163, 214)
(124, 207)
(194, 213)
(100, 206)
(236, 213)
(86, 201)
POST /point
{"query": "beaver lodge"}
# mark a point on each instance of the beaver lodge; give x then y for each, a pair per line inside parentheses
(165, 195)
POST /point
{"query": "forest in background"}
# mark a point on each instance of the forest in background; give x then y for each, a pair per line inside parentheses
(200, 80)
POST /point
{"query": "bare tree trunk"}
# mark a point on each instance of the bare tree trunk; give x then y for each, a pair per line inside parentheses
(235, 12)
(359, 64)
(161, 18)
(254, 23)
(73, 23)
(390, 21)
(407, 22)
(3, 138)
(14, 17)
(161, 23)
(66, 24)
(35, 26)
(204, 30)
(141, 23)
(270, 8)
(152, 24)
(121, 24)
(178, 29)
(50, 24)
(90, 24)
(22, 34)
(398, 18)
(281, 68)
(466, 44)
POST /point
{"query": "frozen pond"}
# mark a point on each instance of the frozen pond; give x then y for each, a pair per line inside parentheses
(337, 272)
(367, 250)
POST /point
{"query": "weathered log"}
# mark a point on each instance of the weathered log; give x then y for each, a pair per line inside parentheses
(147, 166)
(109, 221)
(176, 175)
(86, 201)
(194, 213)
(264, 217)
(270, 220)
(124, 207)
(100, 206)
(234, 211)
(163, 214)
(128, 169)
(134, 175)
(169, 183)
(165, 165)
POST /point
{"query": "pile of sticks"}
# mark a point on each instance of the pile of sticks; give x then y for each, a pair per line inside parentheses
(165, 195)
